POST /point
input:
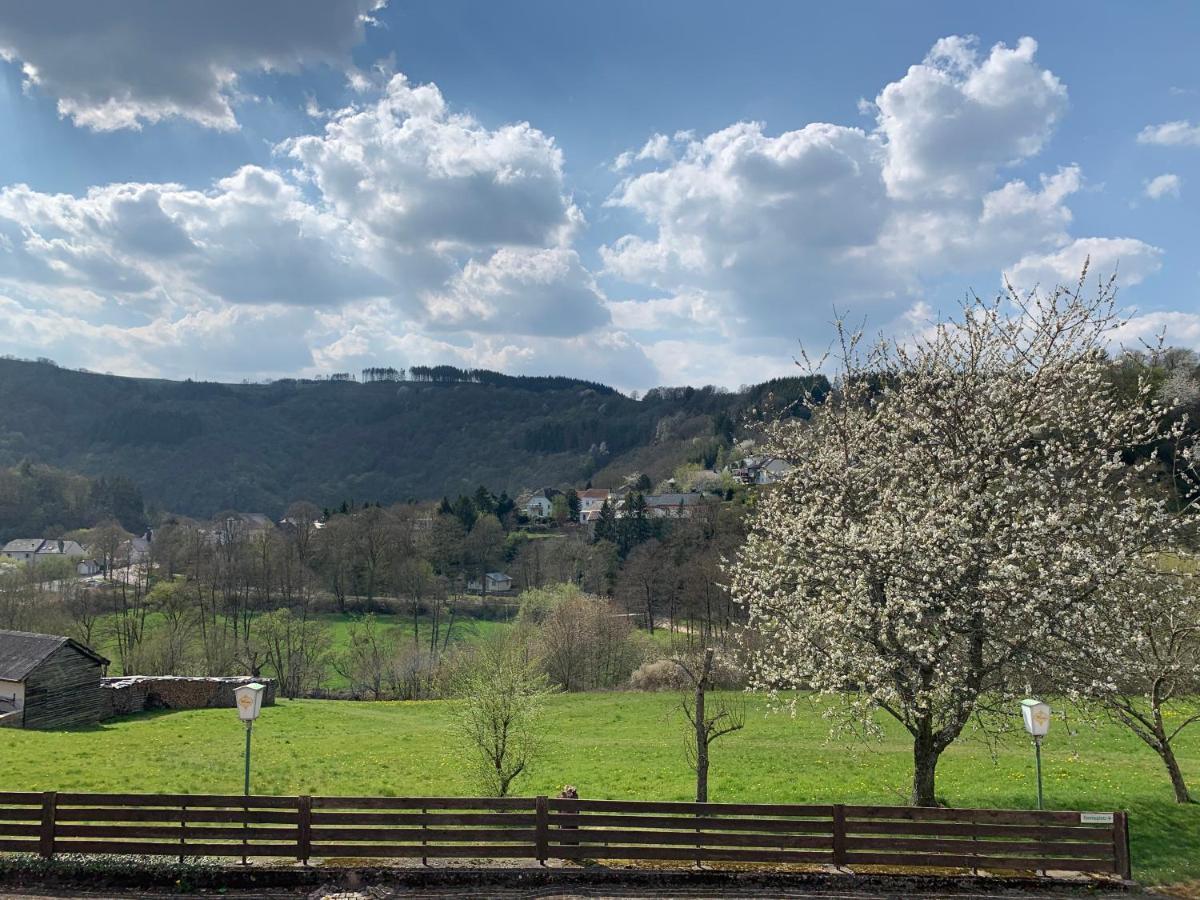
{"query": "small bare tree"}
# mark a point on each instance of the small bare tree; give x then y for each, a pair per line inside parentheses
(708, 721)
(502, 698)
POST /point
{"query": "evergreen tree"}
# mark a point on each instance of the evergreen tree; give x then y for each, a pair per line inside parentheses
(606, 525)
(464, 509)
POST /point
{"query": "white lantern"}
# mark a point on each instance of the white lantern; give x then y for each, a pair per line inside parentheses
(249, 700)
(1037, 717)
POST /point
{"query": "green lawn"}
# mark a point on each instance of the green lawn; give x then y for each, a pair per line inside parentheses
(618, 745)
(466, 628)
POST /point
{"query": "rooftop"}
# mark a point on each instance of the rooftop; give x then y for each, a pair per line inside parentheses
(22, 651)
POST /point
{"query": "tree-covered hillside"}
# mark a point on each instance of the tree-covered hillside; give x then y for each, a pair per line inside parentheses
(200, 447)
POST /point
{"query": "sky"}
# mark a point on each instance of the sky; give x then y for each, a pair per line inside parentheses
(637, 193)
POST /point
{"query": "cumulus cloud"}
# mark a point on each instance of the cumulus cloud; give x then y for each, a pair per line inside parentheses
(1171, 134)
(1131, 259)
(1179, 329)
(113, 64)
(777, 231)
(417, 174)
(249, 239)
(1161, 186)
(951, 122)
(402, 229)
(521, 291)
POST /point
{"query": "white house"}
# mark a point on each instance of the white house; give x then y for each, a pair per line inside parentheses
(771, 471)
(541, 504)
(762, 470)
(591, 500)
(492, 583)
(88, 568)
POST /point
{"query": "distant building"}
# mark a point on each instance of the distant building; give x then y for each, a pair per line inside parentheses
(591, 500)
(541, 504)
(32, 550)
(761, 470)
(47, 681)
(136, 550)
(666, 506)
(88, 568)
(491, 583)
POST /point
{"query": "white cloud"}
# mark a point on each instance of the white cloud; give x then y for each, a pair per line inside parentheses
(1171, 134)
(404, 230)
(1178, 329)
(113, 64)
(776, 232)
(681, 313)
(226, 342)
(745, 213)
(407, 232)
(1131, 259)
(250, 239)
(1160, 186)
(418, 175)
(951, 122)
(521, 291)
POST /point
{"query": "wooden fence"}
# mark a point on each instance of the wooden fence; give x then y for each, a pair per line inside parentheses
(188, 825)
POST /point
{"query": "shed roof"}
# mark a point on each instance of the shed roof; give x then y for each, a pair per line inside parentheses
(21, 652)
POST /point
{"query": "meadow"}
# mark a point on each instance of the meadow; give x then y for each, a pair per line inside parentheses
(619, 746)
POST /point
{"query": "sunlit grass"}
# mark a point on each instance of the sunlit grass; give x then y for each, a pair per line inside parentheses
(615, 745)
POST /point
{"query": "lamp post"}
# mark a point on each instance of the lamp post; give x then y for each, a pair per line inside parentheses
(1036, 716)
(249, 703)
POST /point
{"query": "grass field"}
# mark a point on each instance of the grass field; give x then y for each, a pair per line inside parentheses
(617, 745)
(466, 628)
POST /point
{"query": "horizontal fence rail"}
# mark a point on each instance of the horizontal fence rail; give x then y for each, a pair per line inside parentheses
(303, 828)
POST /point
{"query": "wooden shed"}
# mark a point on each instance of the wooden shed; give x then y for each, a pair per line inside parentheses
(49, 681)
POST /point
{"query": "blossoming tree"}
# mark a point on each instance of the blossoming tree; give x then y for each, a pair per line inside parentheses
(960, 502)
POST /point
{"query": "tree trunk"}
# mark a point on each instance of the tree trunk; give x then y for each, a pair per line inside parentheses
(702, 738)
(1168, 757)
(925, 759)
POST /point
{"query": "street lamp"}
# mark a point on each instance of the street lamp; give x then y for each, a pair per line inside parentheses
(1036, 716)
(249, 704)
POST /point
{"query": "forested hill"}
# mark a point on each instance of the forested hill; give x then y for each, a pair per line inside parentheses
(200, 447)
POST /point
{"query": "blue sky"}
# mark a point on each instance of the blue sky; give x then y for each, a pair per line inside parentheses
(639, 193)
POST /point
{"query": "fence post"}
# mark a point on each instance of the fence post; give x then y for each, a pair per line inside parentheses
(49, 810)
(541, 809)
(839, 835)
(304, 829)
(1121, 860)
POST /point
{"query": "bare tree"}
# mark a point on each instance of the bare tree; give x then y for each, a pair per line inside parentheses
(708, 721)
(1140, 659)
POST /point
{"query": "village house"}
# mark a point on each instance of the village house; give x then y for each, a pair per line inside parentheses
(590, 501)
(541, 504)
(48, 681)
(491, 583)
(761, 470)
(136, 550)
(34, 550)
(672, 506)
